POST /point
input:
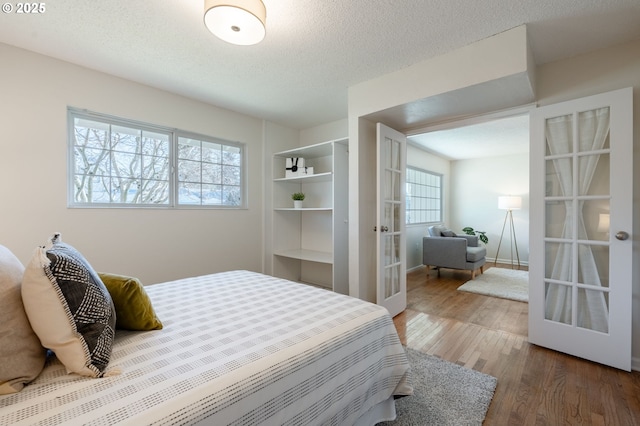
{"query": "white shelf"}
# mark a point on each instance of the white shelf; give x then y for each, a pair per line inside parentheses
(323, 149)
(320, 225)
(309, 255)
(318, 177)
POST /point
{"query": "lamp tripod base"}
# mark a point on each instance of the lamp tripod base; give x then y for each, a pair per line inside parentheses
(512, 236)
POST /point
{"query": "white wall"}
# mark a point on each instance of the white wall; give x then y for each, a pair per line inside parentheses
(330, 131)
(154, 245)
(476, 185)
(277, 138)
(471, 195)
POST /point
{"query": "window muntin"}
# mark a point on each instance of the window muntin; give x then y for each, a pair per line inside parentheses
(116, 163)
(423, 196)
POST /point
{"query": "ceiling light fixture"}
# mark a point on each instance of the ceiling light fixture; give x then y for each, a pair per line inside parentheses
(236, 21)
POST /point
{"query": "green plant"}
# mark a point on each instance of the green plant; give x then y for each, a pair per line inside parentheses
(298, 196)
(482, 235)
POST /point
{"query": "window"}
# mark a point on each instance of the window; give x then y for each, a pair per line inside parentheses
(121, 163)
(209, 173)
(424, 196)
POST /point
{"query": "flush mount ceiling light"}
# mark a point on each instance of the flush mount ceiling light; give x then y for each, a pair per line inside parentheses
(236, 21)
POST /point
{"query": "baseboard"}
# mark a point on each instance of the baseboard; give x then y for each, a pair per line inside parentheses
(635, 364)
(491, 262)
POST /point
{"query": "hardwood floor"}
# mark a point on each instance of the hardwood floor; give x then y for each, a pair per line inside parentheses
(536, 386)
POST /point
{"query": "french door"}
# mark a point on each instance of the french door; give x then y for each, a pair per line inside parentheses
(580, 282)
(390, 224)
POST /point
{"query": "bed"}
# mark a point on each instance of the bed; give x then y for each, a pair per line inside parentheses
(236, 348)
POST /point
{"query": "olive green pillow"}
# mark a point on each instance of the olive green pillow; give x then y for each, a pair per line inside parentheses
(133, 306)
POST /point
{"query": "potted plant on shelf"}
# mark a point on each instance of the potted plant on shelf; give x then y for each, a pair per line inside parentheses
(482, 235)
(298, 197)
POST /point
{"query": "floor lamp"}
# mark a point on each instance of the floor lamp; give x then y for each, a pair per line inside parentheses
(509, 204)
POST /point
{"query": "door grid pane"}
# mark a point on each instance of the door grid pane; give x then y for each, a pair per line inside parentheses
(576, 222)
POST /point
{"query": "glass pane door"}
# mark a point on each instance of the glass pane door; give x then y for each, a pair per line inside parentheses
(392, 199)
(576, 208)
(391, 277)
(580, 245)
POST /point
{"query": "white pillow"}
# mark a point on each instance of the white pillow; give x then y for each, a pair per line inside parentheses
(69, 308)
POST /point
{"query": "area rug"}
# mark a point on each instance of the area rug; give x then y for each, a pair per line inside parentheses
(444, 394)
(498, 282)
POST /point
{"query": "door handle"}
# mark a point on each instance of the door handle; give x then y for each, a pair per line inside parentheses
(621, 235)
(382, 229)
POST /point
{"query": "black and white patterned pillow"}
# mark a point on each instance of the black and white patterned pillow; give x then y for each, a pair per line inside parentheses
(69, 308)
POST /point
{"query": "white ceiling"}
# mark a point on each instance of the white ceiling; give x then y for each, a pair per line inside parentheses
(314, 50)
(501, 136)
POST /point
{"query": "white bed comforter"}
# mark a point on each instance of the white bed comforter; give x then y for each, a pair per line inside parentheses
(237, 348)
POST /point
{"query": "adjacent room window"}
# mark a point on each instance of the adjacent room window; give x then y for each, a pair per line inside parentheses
(121, 163)
(424, 196)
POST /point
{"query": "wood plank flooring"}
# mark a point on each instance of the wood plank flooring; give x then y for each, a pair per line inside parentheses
(536, 386)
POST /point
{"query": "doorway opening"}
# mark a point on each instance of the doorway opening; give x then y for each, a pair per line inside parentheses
(481, 159)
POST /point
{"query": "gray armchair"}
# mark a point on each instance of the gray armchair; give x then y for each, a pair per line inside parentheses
(444, 249)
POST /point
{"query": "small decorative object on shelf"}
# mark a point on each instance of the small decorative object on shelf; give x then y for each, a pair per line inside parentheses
(295, 167)
(298, 197)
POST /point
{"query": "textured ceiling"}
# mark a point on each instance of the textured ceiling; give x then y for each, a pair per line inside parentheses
(501, 136)
(314, 50)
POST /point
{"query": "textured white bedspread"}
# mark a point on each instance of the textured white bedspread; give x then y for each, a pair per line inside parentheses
(237, 348)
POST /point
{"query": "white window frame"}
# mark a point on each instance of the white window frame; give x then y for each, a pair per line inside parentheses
(424, 196)
(173, 178)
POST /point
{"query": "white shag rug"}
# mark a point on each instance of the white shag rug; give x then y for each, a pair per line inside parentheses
(498, 282)
(444, 394)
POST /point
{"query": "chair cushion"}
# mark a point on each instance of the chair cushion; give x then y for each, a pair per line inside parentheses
(476, 253)
(440, 231)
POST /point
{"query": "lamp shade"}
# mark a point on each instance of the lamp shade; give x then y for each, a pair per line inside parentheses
(508, 202)
(236, 21)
